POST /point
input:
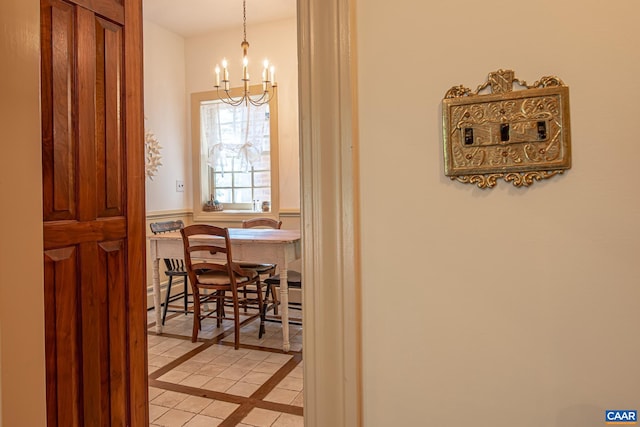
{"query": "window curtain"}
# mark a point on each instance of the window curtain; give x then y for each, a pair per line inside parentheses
(234, 133)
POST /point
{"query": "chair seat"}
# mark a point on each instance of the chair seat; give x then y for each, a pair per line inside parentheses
(260, 268)
(294, 279)
(222, 278)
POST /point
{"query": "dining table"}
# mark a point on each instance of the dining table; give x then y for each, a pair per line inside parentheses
(260, 245)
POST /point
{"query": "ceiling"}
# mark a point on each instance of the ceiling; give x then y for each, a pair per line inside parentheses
(189, 18)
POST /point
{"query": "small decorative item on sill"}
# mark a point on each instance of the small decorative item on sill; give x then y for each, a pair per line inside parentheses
(212, 206)
(266, 206)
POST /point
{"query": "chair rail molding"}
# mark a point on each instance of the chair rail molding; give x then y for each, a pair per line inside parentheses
(289, 213)
(169, 214)
(330, 213)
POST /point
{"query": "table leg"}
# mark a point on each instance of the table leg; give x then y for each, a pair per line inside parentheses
(284, 307)
(156, 294)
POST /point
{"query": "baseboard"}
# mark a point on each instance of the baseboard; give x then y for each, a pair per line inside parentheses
(176, 288)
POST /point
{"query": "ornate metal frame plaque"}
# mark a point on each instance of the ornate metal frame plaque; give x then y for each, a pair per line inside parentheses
(522, 136)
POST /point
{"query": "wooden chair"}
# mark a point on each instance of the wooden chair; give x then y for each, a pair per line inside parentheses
(262, 269)
(294, 281)
(219, 276)
(174, 268)
(261, 222)
(269, 269)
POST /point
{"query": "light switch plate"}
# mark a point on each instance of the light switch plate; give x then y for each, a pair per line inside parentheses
(519, 135)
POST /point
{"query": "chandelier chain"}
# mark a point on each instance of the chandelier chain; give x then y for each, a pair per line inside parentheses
(244, 18)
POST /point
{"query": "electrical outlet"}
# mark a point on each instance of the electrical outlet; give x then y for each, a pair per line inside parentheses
(179, 186)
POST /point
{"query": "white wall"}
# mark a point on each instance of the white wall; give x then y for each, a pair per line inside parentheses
(22, 373)
(275, 41)
(524, 302)
(175, 67)
(165, 106)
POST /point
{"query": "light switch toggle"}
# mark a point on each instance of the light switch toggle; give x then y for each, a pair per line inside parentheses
(504, 132)
(542, 130)
(468, 136)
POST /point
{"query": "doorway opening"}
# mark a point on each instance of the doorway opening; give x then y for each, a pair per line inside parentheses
(208, 381)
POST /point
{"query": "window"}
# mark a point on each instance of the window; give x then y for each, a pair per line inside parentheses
(235, 155)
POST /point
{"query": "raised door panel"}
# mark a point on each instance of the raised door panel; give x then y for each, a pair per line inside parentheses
(59, 144)
(61, 336)
(103, 309)
(112, 259)
(109, 133)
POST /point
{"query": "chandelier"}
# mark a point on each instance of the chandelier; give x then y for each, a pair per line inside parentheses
(269, 84)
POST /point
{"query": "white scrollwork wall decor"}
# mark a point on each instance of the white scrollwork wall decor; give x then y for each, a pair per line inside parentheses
(151, 154)
(520, 136)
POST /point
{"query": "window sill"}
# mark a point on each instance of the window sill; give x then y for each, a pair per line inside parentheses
(232, 215)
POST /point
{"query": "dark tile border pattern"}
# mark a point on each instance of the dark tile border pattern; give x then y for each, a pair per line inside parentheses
(246, 403)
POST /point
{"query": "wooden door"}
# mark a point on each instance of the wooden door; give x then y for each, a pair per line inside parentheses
(93, 212)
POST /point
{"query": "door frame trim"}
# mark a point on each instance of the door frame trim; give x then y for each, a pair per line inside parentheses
(22, 352)
(136, 216)
(330, 213)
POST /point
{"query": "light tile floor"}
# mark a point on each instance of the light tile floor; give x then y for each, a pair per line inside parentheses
(208, 383)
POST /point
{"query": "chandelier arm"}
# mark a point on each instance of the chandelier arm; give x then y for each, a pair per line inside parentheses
(229, 100)
(265, 98)
(259, 101)
(234, 102)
